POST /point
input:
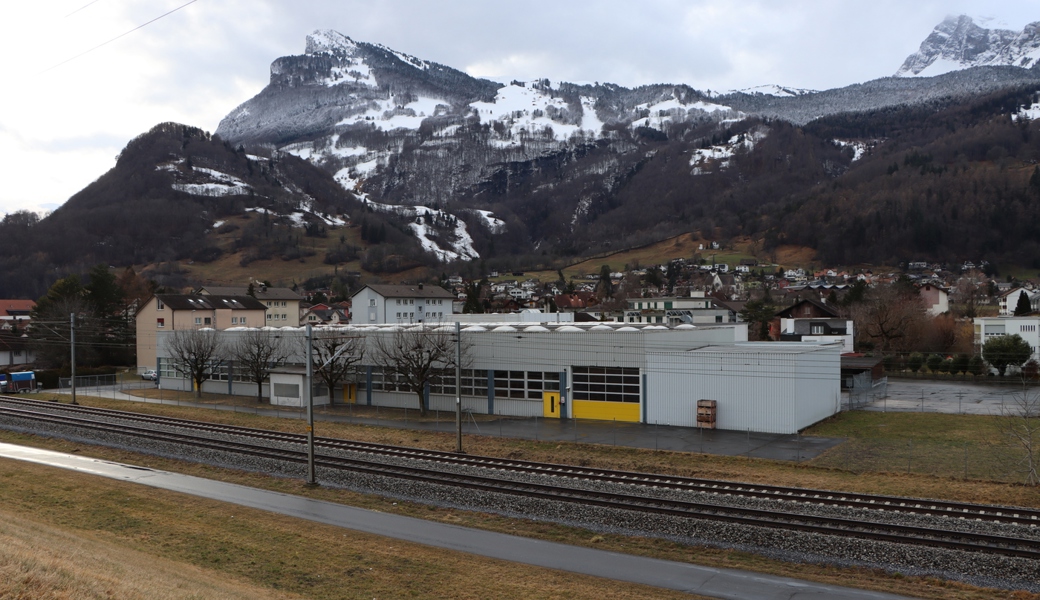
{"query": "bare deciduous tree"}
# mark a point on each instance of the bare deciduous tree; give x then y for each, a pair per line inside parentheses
(890, 317)
(195, 353)
(417, 356)
(1020, 422)
(336, 355)
(256, 352)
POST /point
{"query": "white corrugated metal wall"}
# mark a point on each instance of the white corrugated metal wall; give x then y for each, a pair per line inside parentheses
(767, 387)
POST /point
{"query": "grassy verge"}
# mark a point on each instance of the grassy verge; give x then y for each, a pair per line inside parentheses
(960, 449)
(625, 458)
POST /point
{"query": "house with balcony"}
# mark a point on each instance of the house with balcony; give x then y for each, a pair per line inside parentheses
(812, 321)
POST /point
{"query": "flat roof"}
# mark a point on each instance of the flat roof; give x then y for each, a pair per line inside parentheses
(765, 347)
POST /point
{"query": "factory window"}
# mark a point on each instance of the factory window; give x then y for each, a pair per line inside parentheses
(606, 384)
(528, 385)
(474, 383)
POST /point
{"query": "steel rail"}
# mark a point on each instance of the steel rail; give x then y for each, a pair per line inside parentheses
(897, 504)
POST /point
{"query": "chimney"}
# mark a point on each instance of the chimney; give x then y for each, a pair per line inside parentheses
(420, 286)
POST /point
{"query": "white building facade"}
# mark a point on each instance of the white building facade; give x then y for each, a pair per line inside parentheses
(1028, 328)
(595, 371)
(377, 304)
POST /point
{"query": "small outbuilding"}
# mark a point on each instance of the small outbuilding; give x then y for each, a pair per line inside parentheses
(289, 386)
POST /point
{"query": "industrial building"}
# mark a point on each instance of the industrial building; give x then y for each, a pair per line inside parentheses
(601, 371)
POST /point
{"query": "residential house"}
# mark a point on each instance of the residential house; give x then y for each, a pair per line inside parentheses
(1026, 327)
(1009, 301)
(377, 303)
(15, 351)
(936, 299)
(15, 314)
(166, 312)
(322, 314)
(812, 321)
(697, 308)
(575, 302)
(283, 304)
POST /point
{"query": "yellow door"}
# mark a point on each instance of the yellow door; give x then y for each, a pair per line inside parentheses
(551, 404)
(350, 393)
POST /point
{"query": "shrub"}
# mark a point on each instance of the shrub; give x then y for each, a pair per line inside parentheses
(915, 361)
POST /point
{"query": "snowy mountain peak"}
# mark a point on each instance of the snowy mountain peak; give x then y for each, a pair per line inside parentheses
(959, 43)
(329, 42)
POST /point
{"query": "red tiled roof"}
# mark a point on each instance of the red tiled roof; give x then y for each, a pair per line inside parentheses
(19, 306)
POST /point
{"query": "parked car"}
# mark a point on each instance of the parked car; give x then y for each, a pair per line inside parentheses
(150, 375)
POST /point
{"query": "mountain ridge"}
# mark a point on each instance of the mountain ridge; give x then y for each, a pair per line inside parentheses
(412, 163)
(959, 43)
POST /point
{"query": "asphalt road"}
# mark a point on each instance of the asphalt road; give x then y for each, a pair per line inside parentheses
(947, 397)
(694, 579)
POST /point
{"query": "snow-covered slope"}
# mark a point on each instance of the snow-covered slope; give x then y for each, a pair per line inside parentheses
(402, 131)
(959, 43)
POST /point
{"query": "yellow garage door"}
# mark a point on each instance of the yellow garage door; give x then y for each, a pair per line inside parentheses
(606, 411)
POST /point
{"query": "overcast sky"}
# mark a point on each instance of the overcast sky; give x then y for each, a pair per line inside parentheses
(65, 115)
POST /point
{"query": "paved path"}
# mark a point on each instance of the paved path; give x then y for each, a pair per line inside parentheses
(694, 579)
(634, 435)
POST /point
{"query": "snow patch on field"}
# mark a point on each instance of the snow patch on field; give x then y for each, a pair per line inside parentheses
(721, 154)
(493, 223)
(659, 114)
(859, 148)
(526, 110)
(388, 115)
(422, 218)
(1030, 113)
(221, 185)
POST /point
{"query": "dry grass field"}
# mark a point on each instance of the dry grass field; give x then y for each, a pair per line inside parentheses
(69, 535)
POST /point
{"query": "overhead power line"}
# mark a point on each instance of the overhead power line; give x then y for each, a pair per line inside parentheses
(81, 8)
(118, 36)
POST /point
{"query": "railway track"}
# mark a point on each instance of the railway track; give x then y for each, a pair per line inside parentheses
(956, 510)
(256, 443)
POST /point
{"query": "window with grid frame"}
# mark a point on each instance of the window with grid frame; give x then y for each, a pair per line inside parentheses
(474, 383)
(606, 384)
(525, 385)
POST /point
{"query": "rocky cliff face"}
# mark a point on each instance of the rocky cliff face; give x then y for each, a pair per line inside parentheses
(959, 43)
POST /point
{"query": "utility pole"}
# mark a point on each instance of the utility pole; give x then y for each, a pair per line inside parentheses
(458, 387)
(72, 353)
(310, 410)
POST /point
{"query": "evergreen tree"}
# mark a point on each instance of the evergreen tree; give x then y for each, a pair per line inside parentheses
(1023, 307)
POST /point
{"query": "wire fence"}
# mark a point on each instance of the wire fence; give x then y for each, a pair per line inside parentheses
(99, 385)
